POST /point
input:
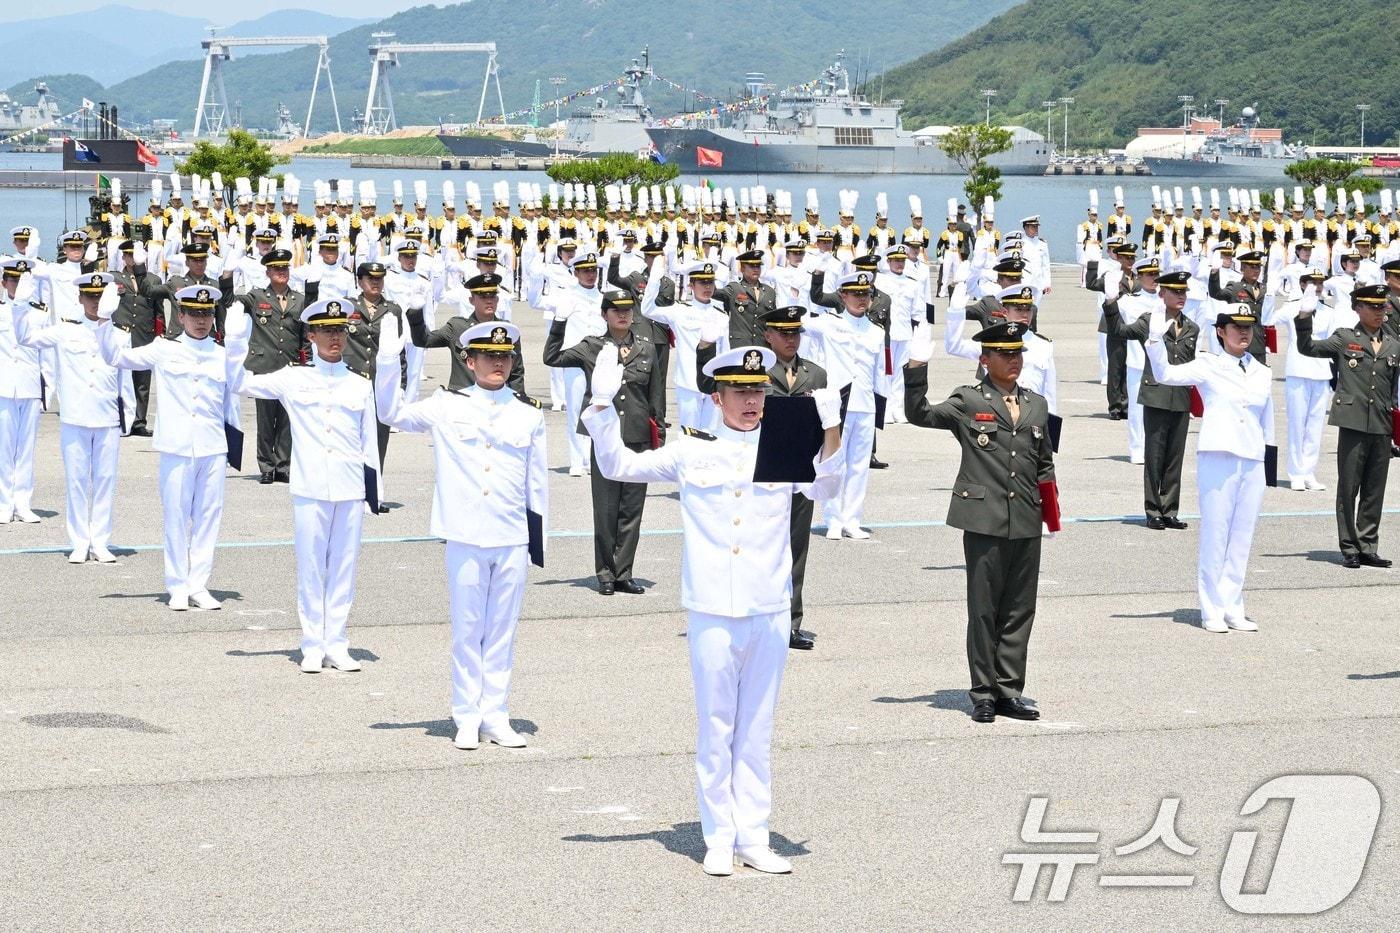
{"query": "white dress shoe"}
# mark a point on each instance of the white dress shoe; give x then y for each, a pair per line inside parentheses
(762, 858)
(205, 600)
(504, 736)
(719, 862)
(468, 738)
(857, 532)
(1311, 483)
(179, 603)
(1297, 485)
(103, 556)
(312, 662)
(78, 556)
(26, 516)
(340, 659)
(1242, 625)
(1214, 625)
(833, 532)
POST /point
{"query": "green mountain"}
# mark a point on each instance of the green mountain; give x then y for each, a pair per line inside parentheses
(588, 42)
(1306, 65)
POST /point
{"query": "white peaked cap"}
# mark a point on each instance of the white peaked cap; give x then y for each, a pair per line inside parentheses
(157, 189)
(1358, 200)
(1298, 196)
(1177, 199)
(449, 193)
(398, 190)
(1118, 196)
(812, 199)
(989, 207)
(1278, 200)
(420, 192)
(916, 206)
(882, 205)
(174, 183)
(952, 209)
(1094, 200)
(1320, 197)
(1214, 199)
(1387, 200)
(1195, 197)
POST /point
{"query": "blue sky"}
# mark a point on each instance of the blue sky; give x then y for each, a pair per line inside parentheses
(247, 9)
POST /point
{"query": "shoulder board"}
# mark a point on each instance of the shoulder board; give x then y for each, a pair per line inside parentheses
(1043, 337)
(698, 434)
(299, 363)
(533, 402)
(38, 306)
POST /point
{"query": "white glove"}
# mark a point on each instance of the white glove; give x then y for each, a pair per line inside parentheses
(138, 253)
(107, 304)
(1308, 304)
(1113, 285)
(828, 407)
(712, 328)
(607, 376)
(90, 254)
(391, 339)
(1157, 323)
(237, 323)
(921, 345)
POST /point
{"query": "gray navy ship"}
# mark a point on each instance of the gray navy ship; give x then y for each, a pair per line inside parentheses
(597, 127)
(825, 128)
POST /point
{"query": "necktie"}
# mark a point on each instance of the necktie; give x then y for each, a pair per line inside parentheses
(1244, 367)
(791, 377)
(1012, 406)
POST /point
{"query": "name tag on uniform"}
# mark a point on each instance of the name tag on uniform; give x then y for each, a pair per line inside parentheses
(984, 416)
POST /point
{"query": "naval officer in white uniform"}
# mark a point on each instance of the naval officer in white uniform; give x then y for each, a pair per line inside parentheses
(21, 392)
(736, 569)
(191, 372)
(489, 503)
(335, 458)
(1238, 423)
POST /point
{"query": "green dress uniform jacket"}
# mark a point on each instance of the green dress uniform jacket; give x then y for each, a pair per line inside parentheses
(1181, 348)
(449, 335)
(746, 304)
(277, 337)
(1241, 292)
(362, 342)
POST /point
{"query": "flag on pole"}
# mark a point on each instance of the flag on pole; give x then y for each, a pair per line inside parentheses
(88, 105)
(708, 158)
(145, 155)
(82, 153)
(103, 181)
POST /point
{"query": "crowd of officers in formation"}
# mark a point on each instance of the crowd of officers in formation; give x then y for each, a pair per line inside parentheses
(323, 313)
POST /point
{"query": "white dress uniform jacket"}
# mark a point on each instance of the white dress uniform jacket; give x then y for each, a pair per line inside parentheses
(1239, 407)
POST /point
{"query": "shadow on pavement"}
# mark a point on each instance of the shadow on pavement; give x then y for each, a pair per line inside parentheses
(1388, 675)
(446, 728)
(1181, 616)
(1321, 557)
(939, 699)
(686, 839)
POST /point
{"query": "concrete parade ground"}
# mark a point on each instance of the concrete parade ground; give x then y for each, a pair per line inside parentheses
(175, 771)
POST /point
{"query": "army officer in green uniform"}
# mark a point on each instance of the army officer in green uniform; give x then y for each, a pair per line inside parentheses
(1006, 462)
(277, 339)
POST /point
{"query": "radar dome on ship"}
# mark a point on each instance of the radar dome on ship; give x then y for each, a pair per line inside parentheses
(1247, 112)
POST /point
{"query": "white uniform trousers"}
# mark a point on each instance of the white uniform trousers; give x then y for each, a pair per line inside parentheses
(1231, 492)
(126, 389)
(894, 409)
(486, 588)
(90, 464)
(328, 547)
(414, 379)
(192, 498)
(857, 444)
(695, 409)
(556, 386)
(575, 386)
(1103, 359)
(1307, 410)
(19, 424)
(737, 665)
(1137, 446)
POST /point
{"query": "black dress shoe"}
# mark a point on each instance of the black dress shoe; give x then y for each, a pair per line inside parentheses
(1016, 708)
(266, 478)
(1174, 522)
(984, 711)
(606, 588)
(1351, 561)
(628, 586)
(282, 476)
(1374, 560)
(382, 509)
(1156, 524)
(806, 634)
(800, 642)
(878, 464)
(140, 430)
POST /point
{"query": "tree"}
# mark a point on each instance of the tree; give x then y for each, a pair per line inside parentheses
(242, 156)
(615, 168)
(969, 147)
(1331, 174)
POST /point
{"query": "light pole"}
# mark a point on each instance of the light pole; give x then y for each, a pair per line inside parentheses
(1221, 103)
(1185, 101)
(557, 81)
(1049, 106)
(1066, 101)
(988, 93)
(1363, 108)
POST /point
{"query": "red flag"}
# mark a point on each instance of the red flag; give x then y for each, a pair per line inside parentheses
(145, 154)
(1050, 505)
(708, 158)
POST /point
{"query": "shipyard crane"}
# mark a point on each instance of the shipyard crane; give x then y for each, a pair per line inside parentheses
(384, 55)
(212, 110)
